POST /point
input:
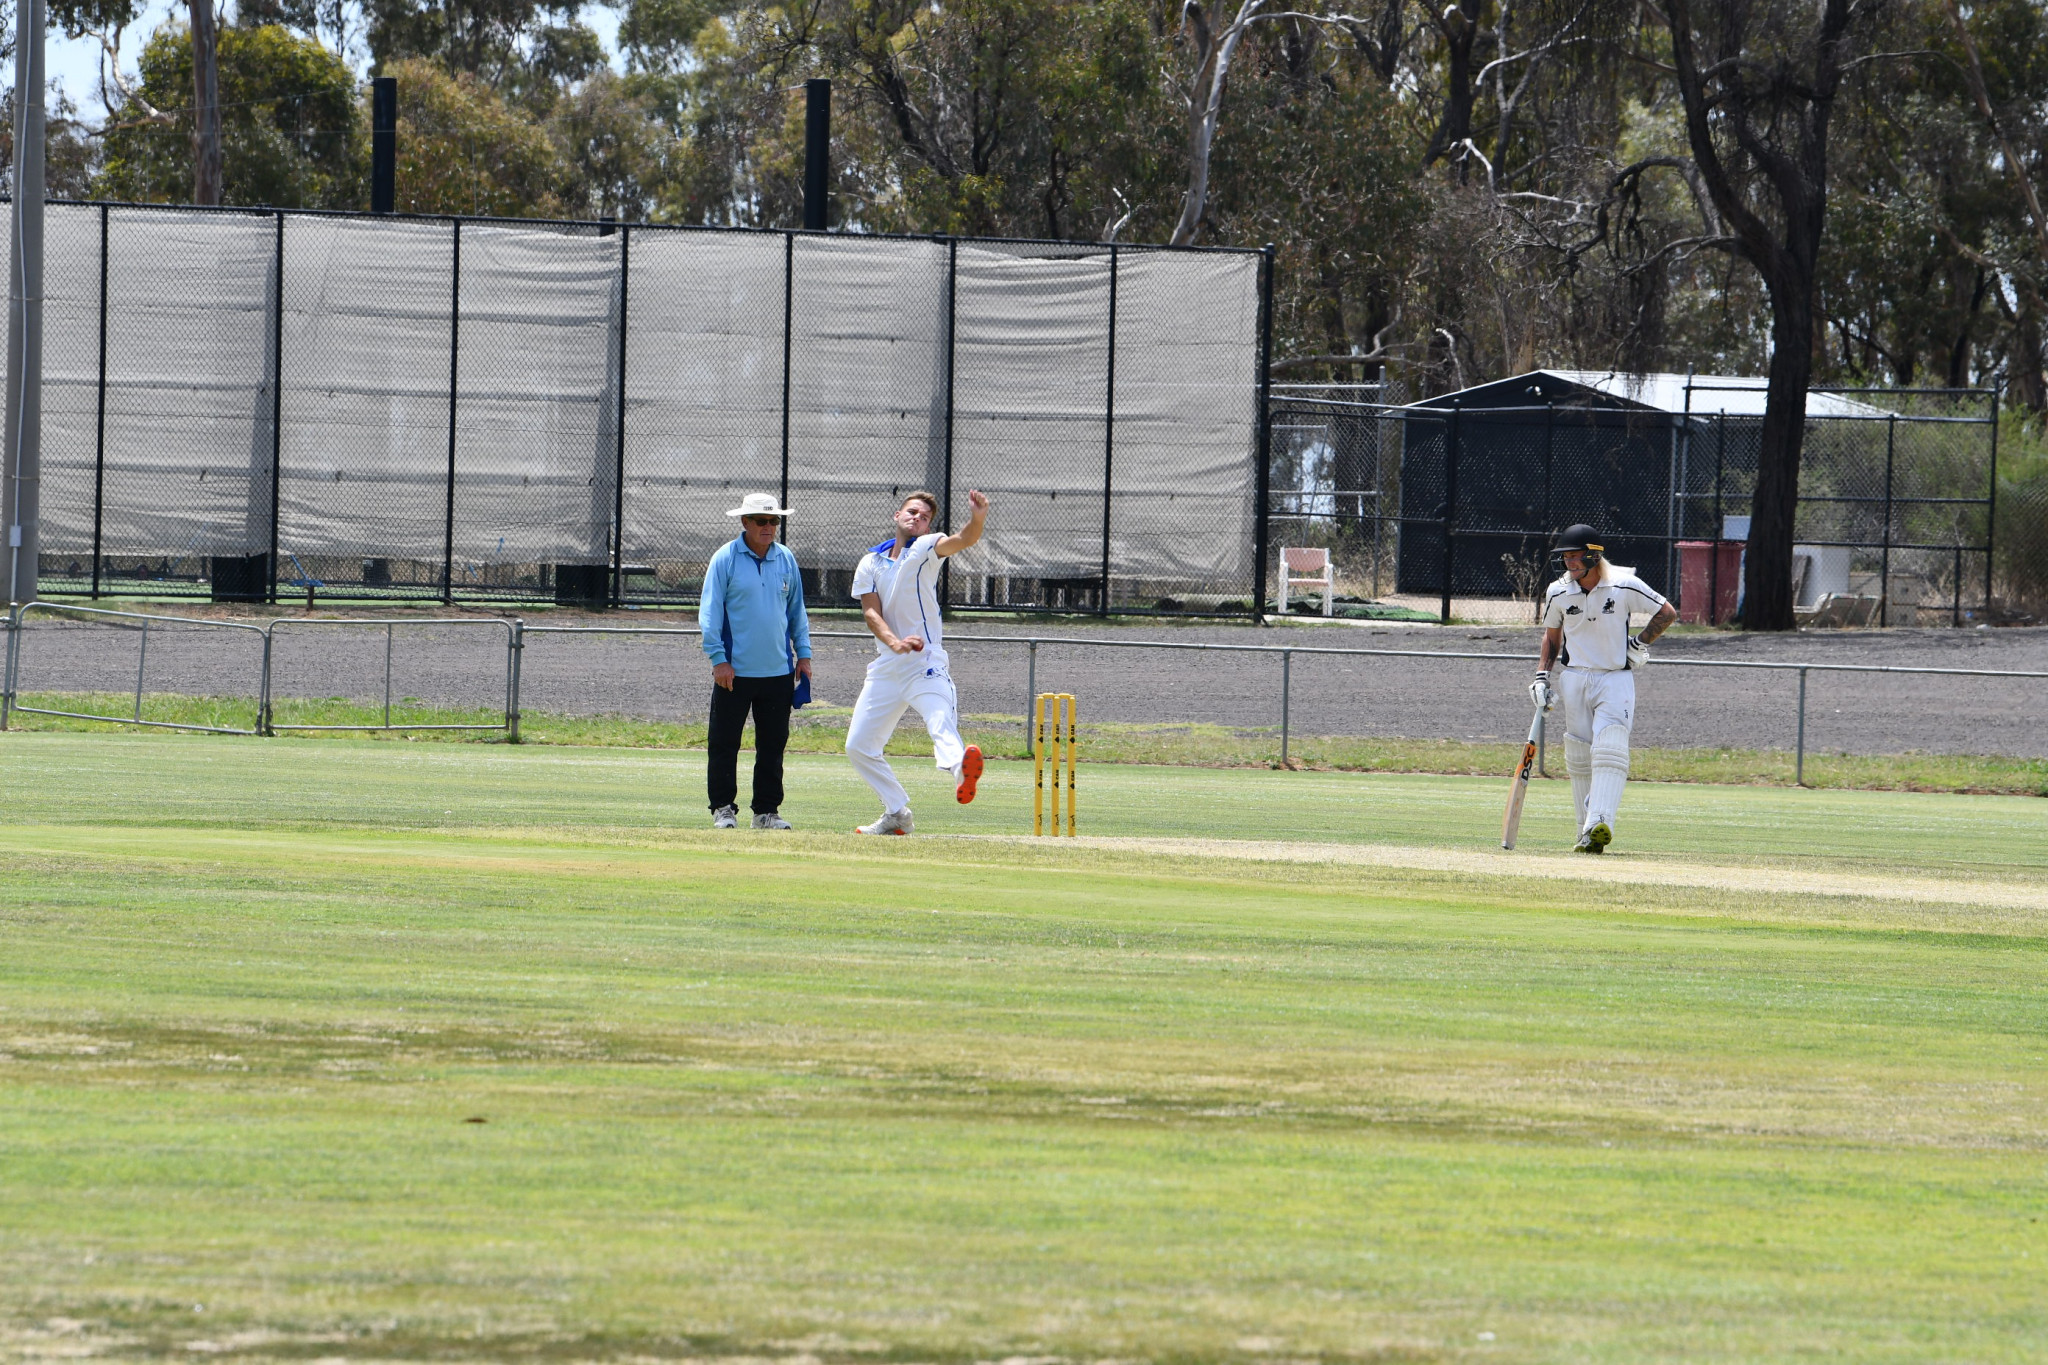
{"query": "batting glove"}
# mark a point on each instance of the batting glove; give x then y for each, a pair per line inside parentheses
(1638, 653)
(1539, 690)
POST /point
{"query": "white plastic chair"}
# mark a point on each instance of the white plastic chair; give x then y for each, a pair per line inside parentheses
(1307, 567)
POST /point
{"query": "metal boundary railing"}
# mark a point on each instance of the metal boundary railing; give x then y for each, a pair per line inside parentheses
(265, 722)
(390, 628)
(9, 704)
(518, 632)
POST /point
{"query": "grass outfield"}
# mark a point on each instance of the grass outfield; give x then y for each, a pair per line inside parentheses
(1274, 1065)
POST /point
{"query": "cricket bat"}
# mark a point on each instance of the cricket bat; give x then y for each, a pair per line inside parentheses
(1518, 785)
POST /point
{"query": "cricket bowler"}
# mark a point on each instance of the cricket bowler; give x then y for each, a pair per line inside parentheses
(897, 584)
(1586, 620)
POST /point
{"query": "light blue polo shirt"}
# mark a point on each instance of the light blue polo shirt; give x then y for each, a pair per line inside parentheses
(752, 611)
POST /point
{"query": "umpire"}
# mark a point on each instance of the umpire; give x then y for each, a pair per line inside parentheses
(759, 643)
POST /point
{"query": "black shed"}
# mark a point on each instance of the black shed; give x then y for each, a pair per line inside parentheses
(1503, 466)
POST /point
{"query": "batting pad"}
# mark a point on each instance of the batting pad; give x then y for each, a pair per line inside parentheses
(1578, 762)
(1610, 773)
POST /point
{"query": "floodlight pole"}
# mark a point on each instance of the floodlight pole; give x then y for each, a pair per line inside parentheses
(19, 505)
(817, 153)
(383, 144)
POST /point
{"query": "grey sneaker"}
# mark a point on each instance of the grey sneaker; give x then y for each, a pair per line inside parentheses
(771, 821)
(726, 817)
(1594, 839)
(892, 822)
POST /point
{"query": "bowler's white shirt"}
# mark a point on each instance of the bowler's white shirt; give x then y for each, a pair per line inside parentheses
(1595, 624)
(909, 588)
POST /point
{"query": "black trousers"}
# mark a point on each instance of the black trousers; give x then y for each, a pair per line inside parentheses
(768, 699)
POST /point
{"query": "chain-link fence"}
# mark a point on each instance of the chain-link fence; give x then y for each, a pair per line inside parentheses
(1897, 520)
(255, 405)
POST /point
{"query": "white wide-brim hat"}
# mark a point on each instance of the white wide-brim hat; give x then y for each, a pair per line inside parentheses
(758, 505)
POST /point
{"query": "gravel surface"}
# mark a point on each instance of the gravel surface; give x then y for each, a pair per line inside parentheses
(1467, 699)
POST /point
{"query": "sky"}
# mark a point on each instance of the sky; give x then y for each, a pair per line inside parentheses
(74, 64)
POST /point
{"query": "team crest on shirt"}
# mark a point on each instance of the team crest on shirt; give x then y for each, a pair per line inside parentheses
(1608, 608)
(1571, 611)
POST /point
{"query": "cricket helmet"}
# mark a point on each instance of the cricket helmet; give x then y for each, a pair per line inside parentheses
(1583, 539)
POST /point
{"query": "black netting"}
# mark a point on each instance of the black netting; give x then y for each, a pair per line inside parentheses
(1893, 523)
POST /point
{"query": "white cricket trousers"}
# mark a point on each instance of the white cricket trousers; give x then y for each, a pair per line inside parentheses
(896, 683)
(1599, 717)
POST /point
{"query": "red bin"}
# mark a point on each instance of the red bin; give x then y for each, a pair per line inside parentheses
(1709, 570)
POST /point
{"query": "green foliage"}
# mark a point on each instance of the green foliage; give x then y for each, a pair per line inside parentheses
(1464, 192)
(70, 153)
(462, 149)
(289, 127)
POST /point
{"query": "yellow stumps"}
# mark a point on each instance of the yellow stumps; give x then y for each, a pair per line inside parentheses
(1052, 718)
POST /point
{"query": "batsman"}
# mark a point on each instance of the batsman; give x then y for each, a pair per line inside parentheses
(1586, 623)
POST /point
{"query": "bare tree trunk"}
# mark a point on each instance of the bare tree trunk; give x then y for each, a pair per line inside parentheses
(1213, 54)
(2024, 370)
(1454, 125)
(206, 156)
(1767, 566)
(1779, 129)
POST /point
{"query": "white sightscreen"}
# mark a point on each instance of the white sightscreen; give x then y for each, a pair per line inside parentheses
(71, 367)
(1183, 488)
(365, 441)
(831, 362)
(1030, 408)
(536, 444)
(188, 444)
(867, 386)
(703, 387)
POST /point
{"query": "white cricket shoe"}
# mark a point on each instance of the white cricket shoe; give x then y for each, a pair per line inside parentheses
(892, 822)
(1594, 838)
(726, 817)
(771, 821)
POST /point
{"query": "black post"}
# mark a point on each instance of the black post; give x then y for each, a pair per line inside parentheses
(1450, 505)
(619, 476)
(1549, 464)
(946, 489)
(276, 402)
(1991, 507)
(788, 305)
(99, 457)
(1109, 434)
(1955, 606)
(454, 352)
(1884, 569)
(817, 152)
(383, 144)
(1262, 500)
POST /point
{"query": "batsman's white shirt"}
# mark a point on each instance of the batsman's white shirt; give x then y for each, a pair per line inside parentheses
(1595, 624)
(1595, 685)
(908, 587)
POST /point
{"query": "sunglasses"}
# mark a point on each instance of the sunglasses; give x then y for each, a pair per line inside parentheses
(762, 521)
